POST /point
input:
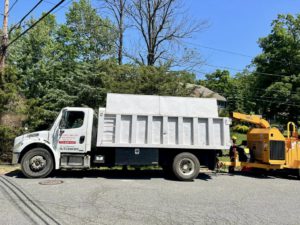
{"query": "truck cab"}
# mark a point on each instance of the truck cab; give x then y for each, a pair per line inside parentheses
(65, 145)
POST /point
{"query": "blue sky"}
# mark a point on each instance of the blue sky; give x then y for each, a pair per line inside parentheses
(235, 25)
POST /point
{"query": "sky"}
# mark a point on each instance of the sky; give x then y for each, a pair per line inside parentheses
(234, 26)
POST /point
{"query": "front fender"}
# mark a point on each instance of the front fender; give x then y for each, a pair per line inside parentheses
(28, 144)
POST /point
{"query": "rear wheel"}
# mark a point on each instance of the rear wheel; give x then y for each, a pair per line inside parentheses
(186, 166)
(37, 163)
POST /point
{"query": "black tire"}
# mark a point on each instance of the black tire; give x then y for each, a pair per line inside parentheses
(186, 166)
(37, 163)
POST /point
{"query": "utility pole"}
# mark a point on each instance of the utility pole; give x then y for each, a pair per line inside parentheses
(4, 38)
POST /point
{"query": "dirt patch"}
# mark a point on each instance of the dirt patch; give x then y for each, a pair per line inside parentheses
(8, 168)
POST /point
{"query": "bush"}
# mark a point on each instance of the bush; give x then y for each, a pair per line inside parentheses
(7, 136)
(240, 128)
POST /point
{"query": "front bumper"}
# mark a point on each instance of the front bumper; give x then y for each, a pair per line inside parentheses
(15, 158)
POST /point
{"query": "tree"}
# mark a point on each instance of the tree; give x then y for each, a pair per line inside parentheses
(160, 26)
(147, 80)
(236, 89)
(118, 8)
(278, 69)
(35, 55)
(52, 74)
(86, 36)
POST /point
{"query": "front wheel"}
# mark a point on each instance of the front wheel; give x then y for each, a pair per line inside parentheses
(37, 163)
(186, 166)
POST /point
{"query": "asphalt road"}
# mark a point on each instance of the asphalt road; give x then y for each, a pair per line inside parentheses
(145, 197)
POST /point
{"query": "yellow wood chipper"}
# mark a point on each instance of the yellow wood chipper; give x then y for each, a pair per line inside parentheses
(269, 148)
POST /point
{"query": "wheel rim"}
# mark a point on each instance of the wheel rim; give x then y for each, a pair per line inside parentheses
(186, 166)
(37, 163)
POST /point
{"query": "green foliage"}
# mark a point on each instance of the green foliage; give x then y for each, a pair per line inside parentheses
(240, 137)
(7, 135)
(239, 128)
(236, 89)
(56, 63)
(86, 36)
(146, 80)
(281, 55)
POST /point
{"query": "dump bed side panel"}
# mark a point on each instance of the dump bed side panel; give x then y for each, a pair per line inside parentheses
(120, 130)
(161, 105)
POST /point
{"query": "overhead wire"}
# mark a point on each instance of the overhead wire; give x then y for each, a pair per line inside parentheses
(18, 24)
(52, 3)
(265, 100)
(233, 52)
(260, 98)
(12, 6)
(235, 69)
(239, 70)
(35, 23)
(291, 92)
(63, 6)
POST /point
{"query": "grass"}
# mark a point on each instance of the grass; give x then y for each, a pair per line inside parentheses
(240, 137)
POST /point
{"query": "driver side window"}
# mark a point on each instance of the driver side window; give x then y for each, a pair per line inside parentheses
(73, 119)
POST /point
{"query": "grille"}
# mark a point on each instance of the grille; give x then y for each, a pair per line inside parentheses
(277, 150)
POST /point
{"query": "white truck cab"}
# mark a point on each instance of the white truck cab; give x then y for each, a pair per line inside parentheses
(40, 152)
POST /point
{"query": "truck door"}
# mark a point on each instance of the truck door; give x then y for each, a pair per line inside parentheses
(72, 132)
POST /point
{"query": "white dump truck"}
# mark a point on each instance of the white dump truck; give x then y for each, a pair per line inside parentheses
(177, 133)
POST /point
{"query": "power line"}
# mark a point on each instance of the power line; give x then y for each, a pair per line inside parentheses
(264, 100)
(13, 5)
(261, 89)
(18, 24)
(260, 98)
(234, 53)
(239, 70)
(35, 23)
(220, 50)
(52, 3)
(63, 6)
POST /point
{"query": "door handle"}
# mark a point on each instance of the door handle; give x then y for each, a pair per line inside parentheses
(81, 139)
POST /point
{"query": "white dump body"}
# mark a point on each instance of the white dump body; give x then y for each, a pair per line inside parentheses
(141, 121)
(161, 105)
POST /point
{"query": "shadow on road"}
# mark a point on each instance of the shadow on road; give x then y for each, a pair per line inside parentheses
(149, 174)
(110, 174)
(261, 174)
